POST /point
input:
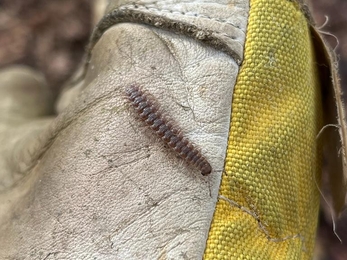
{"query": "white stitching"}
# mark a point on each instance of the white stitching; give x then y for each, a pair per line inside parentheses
(189, 14)
(260, 223)
(183, 13)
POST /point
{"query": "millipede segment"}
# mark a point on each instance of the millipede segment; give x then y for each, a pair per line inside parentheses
(148, 110)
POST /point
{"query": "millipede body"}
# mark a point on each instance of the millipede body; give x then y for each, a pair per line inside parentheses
(148, 110)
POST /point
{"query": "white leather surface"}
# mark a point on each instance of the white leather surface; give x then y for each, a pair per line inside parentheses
(102, 186)
(222, 21)
(25, 100)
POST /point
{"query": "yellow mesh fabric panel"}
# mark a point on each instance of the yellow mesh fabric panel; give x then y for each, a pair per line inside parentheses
(268, 200)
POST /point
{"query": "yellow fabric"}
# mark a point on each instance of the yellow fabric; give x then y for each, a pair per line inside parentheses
(268, 202)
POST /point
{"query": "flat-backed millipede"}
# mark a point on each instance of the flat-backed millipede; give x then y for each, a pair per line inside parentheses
(148, 110)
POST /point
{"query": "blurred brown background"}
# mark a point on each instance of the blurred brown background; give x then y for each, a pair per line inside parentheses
(328, 247)
(51, 36)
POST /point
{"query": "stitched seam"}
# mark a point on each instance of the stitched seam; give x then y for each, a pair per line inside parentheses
(261, 225)
(195, 32)
(187, 14)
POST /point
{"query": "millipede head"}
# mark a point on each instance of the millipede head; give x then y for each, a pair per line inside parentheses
(206, 168)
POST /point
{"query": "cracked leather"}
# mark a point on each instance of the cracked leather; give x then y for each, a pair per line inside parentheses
(96, 182)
